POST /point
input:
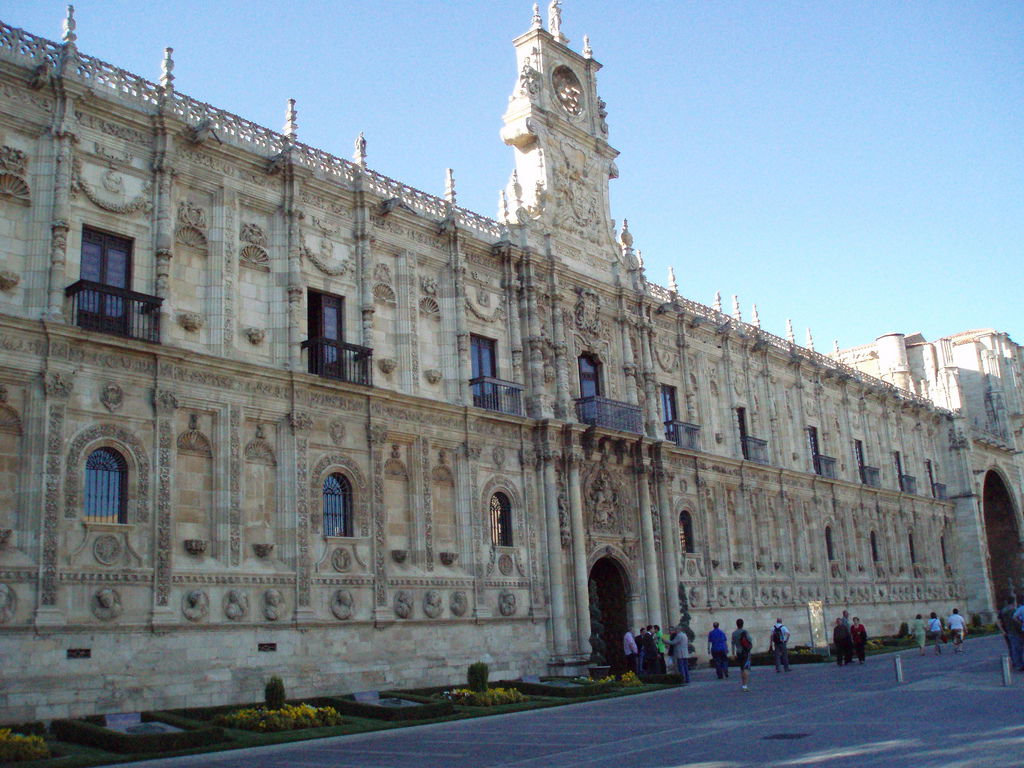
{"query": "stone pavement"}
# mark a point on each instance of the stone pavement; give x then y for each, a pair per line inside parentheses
(952, 711)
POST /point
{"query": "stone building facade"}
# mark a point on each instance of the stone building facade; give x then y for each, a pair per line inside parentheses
(264, 410)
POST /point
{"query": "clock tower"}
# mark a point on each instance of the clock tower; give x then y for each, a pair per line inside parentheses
(555, 122)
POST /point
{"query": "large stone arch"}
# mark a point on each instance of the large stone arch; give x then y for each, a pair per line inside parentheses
(1002, 534)
(609, 595)
(111, 435)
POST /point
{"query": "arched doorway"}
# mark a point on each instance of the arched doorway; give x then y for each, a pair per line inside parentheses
(608, 610)
(1004, 566)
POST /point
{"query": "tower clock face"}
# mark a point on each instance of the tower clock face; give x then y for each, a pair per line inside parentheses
(568, 90)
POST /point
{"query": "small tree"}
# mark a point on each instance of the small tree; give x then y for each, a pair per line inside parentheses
(273, 693)
(904, 630)
(477, 676)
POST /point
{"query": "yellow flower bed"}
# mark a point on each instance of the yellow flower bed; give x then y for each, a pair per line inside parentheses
(630, 680)
(492, 697)
(14, 746)
(290, 717)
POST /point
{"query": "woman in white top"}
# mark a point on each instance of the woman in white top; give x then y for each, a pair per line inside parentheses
(958, 628)
(935, 631)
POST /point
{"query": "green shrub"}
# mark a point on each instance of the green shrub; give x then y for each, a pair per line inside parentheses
(273, 693)
(14, 746)
(287, 718)
(976, 621)
(904, 629)
(477, 677)
(428, 708)
(93, 735)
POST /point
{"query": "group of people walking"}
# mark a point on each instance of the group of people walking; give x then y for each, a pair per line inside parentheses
(849, 637)
(938, 633)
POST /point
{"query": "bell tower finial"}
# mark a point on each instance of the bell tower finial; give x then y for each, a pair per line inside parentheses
(167, 71)
(291, 125)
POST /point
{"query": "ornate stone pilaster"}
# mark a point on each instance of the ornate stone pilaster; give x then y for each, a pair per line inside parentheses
(556, 565)
(377, 435)
(511, 288)
(164, 178)
(428, 502)
(300, 424)
(652, 590)
(57, 389)
(536, 402)
(563, 402)
(669, 544)
(654, 425)
(581, 593)
(234, 486)
(164, 404)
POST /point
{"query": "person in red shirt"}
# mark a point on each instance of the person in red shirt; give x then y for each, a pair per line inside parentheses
(859, 636)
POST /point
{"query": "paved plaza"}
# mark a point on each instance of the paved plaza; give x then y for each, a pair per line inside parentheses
(952, 711)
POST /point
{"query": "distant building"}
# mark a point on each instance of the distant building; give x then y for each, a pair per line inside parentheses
(266, 411)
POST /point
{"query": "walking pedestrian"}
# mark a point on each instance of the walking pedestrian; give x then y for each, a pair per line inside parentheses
(630, 650)
(958, 629)
(679, 650)
(1012, 632)
(718, 648)
(777, 644)
(935, 632)
(641, 661)
(741, 647)
(1017, 621)
(859, 636)
(651, 654)
(843, 643)
(660, 647)
(920, 633)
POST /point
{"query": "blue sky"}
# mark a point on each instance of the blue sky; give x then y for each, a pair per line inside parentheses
(857, 166)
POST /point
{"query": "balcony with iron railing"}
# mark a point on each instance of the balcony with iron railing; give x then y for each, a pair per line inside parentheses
(908, 484)
(755, 449)
(871, 476)
(825, 466)
(117, 311)
(602, 412)
(683, 434)
(497, 395)
(338, 360)
(939, 491)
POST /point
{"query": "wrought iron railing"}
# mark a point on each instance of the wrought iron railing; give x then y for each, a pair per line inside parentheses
(755, 449)
(683, 434)
(118, 311)
(939, 490)
(871, 476)
(908, 484)
(825, 466)
(497, 395)
(338, 360)
(602, 412)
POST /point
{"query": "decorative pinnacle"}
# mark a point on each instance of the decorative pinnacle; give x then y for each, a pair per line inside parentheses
(640, 258)
(754, 317)
(835, 347)
(789, 332)
(502, 205)
(359, 155)
(69, 35)
(672, 284)
(167, 70)
(449, 186)
(810, 340)
(625, 236)
(517, 188)
(536, 22)
(291, 127)
(736, 314)
(588, 52)
(717, 306)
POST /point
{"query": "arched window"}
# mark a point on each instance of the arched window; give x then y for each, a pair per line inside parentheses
(590, 375)
(829, 546)
(686, 533)
(501, 520)
(337, 506)
(106, 480)
(910, 546)
(874, 547)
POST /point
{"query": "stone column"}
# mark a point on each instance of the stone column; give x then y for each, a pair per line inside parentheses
(556, 565)
(669, 544)
(563, 403)
(581, 592)
(650, 557)
(654, 425)
(164, 405)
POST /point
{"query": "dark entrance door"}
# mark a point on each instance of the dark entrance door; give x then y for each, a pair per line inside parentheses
(608, 610)
(1001, 532)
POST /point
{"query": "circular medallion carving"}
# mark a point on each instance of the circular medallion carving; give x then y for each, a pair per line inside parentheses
(273, 604)
(506, 603)
(341, 560)
(568, 90)
(403, 604)
(8, 603)
(236, 604)
(106, 604)
(432, 603)
(337, 432)
(458, 603)
(341, 604)
(195, 605)
(505, 564)
(106, 549)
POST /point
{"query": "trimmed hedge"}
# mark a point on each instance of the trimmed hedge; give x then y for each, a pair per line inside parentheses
(671, 678)
(427, 709)
(94, 735)
(554, 691)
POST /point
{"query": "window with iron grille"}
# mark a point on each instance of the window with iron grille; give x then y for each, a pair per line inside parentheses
(501, 520)
(106, 480)
(590, 376)
(830, 548)
(337, 501)
(686, 543)
(874, 547)
(483, 357)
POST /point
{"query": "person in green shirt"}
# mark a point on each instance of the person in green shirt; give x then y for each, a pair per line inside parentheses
(659, 641)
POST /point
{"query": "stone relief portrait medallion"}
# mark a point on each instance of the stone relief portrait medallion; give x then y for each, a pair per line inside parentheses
(236, 604)
(106, 604)
(403, 604)
(432, 603)
(507, 603)
(337, 432)
(505, 564)
(341, 604)
(106, 549)
(458, 603)
(341, 560)
(273, 604)
(195, 605)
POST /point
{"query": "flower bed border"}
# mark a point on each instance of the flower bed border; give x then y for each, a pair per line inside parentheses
(88, 732)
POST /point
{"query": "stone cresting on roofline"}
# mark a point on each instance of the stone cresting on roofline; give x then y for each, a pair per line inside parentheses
(25, 49)
(815, 358)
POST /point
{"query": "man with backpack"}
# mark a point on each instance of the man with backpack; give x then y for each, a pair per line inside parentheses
(1013, 632)
(741, 647)
(777, 645)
